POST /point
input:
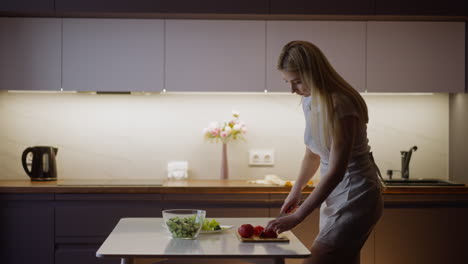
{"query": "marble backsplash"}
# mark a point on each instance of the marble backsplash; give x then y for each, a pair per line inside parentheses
(135, 136)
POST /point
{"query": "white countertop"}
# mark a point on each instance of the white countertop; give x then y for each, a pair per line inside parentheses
(146, 237)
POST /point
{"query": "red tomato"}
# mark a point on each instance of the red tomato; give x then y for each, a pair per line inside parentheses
(258, 230)
(246, 230)
(268, 234)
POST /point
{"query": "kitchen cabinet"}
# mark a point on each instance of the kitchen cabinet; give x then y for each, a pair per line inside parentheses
(421, 7)
(221, 205)
(81, 254)
(422, 236)
(27, 228)
(113, 55)
(216, 6)
(215, 55)
(322, 7)
(162, 6)
(30, 53)
(416, 57)
(343, 42)
(83, 221)
(36, 7)
(108, 6)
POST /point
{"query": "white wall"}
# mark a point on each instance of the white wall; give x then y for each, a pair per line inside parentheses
(134, 136)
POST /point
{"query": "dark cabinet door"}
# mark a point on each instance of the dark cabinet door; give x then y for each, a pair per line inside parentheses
(95, 215)
(357, 7)
(81, 254)
(83, 221)
(163, 6)
(421, 7)
(26, 229)
(217, 6)
(27, 6)
(30, 53)
(104, 6)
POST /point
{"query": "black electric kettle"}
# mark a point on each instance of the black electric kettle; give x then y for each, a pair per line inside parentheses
(43, 166)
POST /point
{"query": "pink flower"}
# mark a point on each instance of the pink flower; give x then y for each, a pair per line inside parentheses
(215, 132)
(225, 131)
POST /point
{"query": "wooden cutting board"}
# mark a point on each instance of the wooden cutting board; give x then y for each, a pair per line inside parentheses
(256, 239)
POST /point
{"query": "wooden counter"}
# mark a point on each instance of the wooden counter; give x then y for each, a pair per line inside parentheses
(409, 196)
(189, 186)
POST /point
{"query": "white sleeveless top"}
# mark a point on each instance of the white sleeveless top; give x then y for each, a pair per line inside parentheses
(343, 108)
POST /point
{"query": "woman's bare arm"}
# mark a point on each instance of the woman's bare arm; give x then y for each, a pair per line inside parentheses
(310, 164)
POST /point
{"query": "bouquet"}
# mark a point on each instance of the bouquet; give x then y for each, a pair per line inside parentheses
(226, 131)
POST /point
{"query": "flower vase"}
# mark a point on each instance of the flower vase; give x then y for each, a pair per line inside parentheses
(224, 163)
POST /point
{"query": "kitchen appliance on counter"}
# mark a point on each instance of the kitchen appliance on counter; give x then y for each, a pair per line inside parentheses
(43, 164)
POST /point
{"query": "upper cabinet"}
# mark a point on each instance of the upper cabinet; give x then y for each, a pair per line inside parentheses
(162, 6)
(323, 7)
(27, 6)
(108, 6)
(30, 53)
(421, 7)
(217, 6)
(416, 57)
(120, 55)
(343, 43)
(215, 55)
(113, 54)
(139, 8)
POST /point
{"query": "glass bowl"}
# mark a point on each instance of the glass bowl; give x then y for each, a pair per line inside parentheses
(184, 223)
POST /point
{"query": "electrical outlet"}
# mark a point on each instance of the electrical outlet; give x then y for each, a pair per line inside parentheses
(261, 157)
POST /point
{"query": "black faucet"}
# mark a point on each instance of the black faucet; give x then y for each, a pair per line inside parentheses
(405, 160)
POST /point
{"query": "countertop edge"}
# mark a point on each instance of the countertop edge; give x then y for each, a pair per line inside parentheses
(198, 187)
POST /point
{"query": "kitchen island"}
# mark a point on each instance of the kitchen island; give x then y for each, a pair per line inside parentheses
(138, 238)
(65, 221)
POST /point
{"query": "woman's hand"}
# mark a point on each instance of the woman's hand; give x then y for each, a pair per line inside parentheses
(284, 223)
(291, 202)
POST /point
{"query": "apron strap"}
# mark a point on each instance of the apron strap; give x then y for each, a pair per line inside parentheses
(382, 182)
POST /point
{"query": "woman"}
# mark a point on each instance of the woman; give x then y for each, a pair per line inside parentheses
(336, 140)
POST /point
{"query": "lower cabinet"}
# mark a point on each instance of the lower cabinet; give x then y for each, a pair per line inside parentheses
(69, 228)
(221, 205)
(80, 254)
(27, 228)
(83, 221)
(429, 235)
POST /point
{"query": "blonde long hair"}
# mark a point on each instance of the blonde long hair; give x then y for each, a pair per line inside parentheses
(317, 74)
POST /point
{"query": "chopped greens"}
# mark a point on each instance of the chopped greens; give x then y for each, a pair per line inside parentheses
(211, 225)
